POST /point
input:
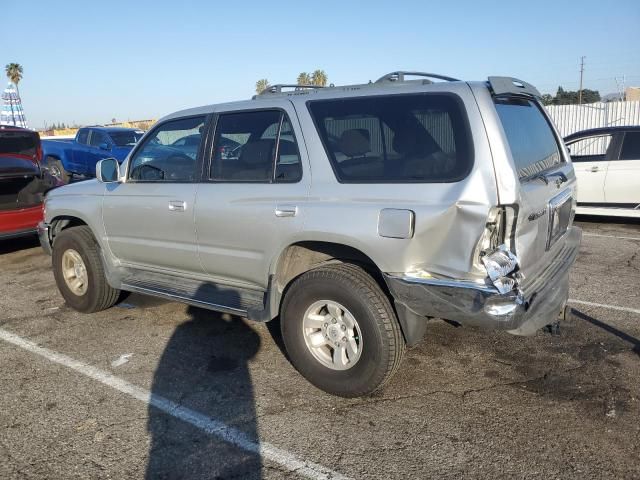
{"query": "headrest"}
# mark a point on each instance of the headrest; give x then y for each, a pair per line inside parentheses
(410, 142)
(355, 142)
(259, 152)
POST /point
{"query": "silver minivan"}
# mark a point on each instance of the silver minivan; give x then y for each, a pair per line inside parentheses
(353, 214)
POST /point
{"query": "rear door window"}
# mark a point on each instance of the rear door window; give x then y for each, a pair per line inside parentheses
(255, 146)
(421, 138)
(533, 145)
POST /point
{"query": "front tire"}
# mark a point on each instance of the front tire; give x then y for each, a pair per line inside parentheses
(57, 170)
(79, 273)
(340, 330)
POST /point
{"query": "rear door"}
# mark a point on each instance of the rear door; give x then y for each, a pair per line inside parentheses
(546, 180)
(622, 185)
(255, 196)
(590, 157)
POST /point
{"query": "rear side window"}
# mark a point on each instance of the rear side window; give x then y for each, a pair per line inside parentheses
(16, 142)
(395, 139)
(631, 146)
(533, 146)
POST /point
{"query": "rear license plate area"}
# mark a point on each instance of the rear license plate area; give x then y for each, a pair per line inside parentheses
(560, 208)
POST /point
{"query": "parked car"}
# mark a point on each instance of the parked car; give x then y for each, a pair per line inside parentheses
(607, 165)
(78, 156)
(354, 214)
(22, 182)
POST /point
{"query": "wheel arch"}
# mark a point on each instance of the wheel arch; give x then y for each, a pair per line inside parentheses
(302, 256)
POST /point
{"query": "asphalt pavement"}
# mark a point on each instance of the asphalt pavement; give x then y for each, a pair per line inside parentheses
(161, 390)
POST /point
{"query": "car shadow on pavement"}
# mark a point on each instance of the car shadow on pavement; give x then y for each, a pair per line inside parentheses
(204, 367)
(608, 328)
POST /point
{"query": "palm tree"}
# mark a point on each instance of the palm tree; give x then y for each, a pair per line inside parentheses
(14, 73)
(304, 79)
(319, 78)
(262, 85)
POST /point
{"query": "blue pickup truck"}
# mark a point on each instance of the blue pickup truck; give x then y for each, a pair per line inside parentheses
(78, 156)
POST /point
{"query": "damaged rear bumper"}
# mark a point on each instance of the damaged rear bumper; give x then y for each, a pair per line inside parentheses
(537, 303)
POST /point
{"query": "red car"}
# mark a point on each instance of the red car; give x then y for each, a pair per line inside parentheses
(22, 182)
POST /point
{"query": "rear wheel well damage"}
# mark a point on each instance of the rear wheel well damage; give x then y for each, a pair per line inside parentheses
(301, 257)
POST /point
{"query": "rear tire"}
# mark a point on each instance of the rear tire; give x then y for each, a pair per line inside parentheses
(56, 169)
(341, 307)
(79, 273)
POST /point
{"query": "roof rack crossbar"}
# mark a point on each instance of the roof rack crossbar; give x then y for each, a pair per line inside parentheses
(399, 76)
(279, 86)
(512, 86)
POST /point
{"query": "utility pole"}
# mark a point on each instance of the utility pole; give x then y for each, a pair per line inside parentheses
(581, 73)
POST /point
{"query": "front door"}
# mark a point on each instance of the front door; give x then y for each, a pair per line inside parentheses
(253, 202)
(591, 161)
(149, 218)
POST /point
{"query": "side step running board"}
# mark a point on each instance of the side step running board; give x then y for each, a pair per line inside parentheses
(224, 299)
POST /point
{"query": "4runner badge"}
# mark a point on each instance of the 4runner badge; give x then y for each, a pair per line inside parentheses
(536, 215)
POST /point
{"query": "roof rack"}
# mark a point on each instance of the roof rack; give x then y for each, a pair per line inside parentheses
(399, 77)
(511, 86)
(278, 87)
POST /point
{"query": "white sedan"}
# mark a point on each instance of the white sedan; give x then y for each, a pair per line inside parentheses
(607, 165)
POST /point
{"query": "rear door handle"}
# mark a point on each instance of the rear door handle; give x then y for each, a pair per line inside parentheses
(595, 168)
(177, 205)
(286, 211)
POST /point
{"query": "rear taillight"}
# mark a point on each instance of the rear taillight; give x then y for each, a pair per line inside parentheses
(495, 252)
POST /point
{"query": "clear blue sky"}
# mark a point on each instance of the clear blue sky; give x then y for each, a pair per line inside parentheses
(90, 61)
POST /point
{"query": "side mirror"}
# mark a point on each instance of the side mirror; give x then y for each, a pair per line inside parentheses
(108, 170)
(104, 146)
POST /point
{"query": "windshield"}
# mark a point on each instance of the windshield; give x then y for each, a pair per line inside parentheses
(533, 146)
(395, 138)
(125, 139)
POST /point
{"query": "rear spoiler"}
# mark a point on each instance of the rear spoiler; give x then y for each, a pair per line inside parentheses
(512, 86)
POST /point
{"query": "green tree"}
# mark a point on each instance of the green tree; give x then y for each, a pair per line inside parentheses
(569, 97)
(547, 99)
(262, 85)
(14, 74)
(319, 78)
(304, 79)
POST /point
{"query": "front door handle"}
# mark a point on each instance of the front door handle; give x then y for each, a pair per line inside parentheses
(177, 205)
(595, 168)
(286, 211)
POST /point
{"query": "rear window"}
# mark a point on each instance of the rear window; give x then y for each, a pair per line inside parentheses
(533, 146)
(21, 143)
(395, 139)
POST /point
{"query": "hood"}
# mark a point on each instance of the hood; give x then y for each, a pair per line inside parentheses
(85, 187)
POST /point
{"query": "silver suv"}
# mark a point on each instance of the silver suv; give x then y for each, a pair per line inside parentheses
(352, 213)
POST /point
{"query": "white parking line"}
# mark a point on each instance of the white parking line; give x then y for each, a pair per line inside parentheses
(609, 236)
(207, 424)
(604, 305)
